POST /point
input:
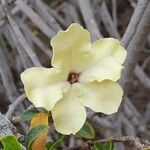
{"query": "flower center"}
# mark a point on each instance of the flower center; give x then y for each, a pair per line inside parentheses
(73, 77)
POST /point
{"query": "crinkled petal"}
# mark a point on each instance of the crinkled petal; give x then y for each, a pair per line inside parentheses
(108, 47)
(71, 49)
(106, 69)
(104, 96)
(43, 86)
(108, 56)
(69, 113)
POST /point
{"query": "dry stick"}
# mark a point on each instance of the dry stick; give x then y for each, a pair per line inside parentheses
(106, 18)
(13, 106)
(7, 128)
(131, 107)
(146, 61)
(117, 130)
(23, 42)
(135, 118)
(73, 13)
(14, 11)
(68, 17)
(89, 18)
(18, 62)
(131, 140)
(147, 113)
(27, 37)
(26, 62)
(129, 128)
(142, 76)
(134, 47)
(4, 33)
(7, 78)
(114, 12)
(41, 8)
(132, 3)
(131, 116)
(122, 122)
(111, 28)
(59, 19)
(71, 141)
(2, 13)
(35, 18)
(20, 37)
(35, 39)
(135, 20)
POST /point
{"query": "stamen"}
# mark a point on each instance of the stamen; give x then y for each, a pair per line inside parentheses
(73, 77)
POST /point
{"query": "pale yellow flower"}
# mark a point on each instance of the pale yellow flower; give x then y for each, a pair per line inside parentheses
(83, 74)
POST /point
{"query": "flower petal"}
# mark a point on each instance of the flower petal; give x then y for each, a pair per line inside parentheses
(108, 56)
(69, 113)
(102, 97)
(43, 86)
(108, 47)
(106, 69)
(71, 48)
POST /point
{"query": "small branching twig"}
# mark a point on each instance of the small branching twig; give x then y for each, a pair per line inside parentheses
(13, 106)
(131, 140)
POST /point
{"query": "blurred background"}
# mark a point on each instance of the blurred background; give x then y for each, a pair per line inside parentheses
(26, 27)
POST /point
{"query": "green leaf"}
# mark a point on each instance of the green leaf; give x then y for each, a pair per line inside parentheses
(33, 133)
(29, 113)
(48, 145)
(86, 131)
(53, 145)
(8, 142)
(103, 146)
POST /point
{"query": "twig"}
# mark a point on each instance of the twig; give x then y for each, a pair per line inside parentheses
(68, 17)
(106, 18)
(134, 22)
(131, 140)
(35, 39)
(7, 128)
(13, 106)
(147, 113)
(55, 14)
(146, 61)
(127, 125)
(26, 62)
(41, 8)
(132, 3)
(134, 48)
(114, 12)
(2, 13)
(20, 36)
(89, 18)
(36, 19)
(132, 107)
(7, 78)
(73, 13)
(142, 76)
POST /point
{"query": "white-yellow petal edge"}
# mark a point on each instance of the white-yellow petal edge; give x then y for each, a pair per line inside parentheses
(43, 86)
(69, 113)
(71, 49)
(104, 96)
(108, 56)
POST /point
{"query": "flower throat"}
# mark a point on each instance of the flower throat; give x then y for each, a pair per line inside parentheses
(73, 77)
